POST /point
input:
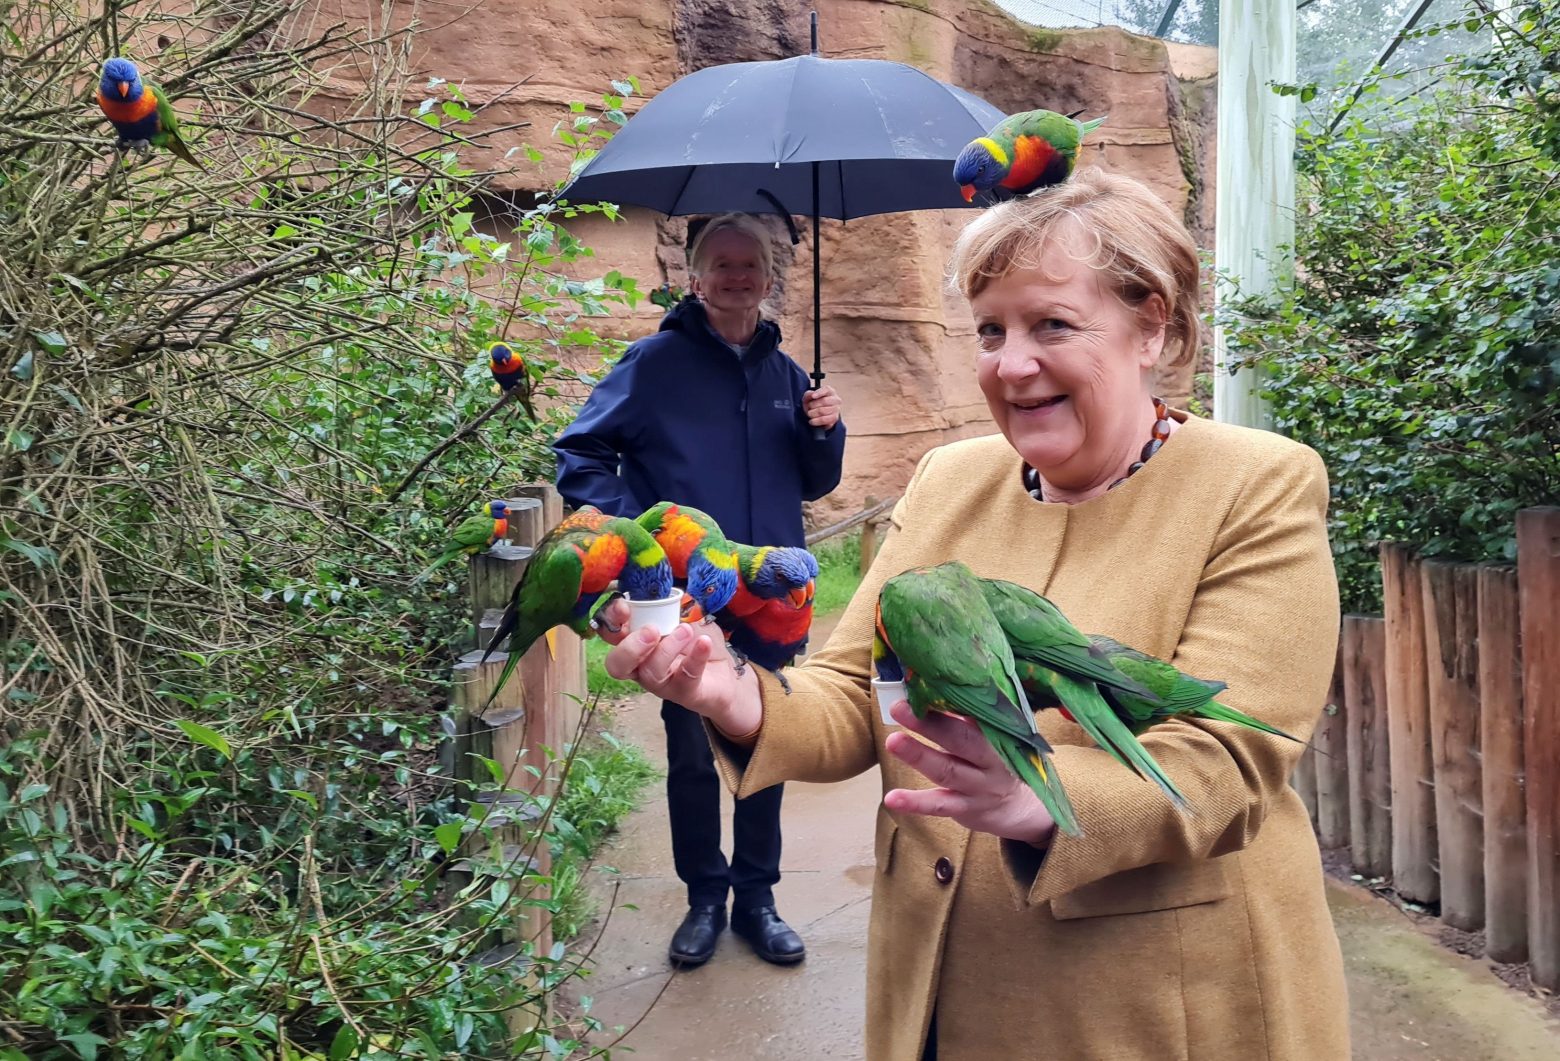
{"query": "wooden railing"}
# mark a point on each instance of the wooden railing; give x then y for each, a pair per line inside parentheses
(1437, 759)
(870, 519)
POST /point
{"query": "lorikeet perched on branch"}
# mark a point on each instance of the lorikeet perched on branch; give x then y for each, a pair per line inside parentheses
(140, 111)
(472, 535)
(1022, 153)
(567, 578)
(936, 632)
(509, 372)
(699, 553)
(1058, 666)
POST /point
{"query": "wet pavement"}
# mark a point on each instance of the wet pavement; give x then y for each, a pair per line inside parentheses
(1411, 999)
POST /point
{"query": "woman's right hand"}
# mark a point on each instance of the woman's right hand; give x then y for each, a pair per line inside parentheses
(689, 666)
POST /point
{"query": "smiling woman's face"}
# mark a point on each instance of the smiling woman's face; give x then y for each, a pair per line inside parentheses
(1064, 366)
(731, 276)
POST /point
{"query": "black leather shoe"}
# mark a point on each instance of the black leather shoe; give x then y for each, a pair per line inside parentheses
(694, 941)
(772, 939)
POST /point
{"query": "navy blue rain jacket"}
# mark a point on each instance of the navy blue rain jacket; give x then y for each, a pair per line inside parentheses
(682, 418)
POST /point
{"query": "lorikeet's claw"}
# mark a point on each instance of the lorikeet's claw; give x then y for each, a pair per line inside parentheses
(783, 683)
(738, 658)
(599, 621)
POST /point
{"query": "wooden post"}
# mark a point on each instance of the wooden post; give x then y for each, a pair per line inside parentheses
(1500, 742)
(492, 577)
(1538, 577)
(869, 541)
(1331, 745)
(1370, 767)
(1304, 781)
(527, 520)
(1256, 178)
(1414, 874)
(1451, 593)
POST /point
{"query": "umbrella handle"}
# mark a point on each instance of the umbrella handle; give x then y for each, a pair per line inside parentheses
(818, 433)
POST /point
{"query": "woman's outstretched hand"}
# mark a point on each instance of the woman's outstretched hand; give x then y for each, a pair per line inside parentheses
(690, 666)
(975, 788)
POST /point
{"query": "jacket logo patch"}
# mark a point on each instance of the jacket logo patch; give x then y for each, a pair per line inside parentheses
(782, 403)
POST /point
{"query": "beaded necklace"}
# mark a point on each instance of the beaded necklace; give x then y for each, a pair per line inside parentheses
(1156, 439)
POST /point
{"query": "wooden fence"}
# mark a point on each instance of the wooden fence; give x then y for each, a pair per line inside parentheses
(1437, 759)
(523, 733)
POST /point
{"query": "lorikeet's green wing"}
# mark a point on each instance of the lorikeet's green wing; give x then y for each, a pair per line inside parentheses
(1085, 706)
(1037, 630)
(544, 597)
(167, 134)
(956, 658)
(1174, 693)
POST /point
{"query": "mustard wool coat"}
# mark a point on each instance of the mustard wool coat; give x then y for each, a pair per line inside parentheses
(1156, 935)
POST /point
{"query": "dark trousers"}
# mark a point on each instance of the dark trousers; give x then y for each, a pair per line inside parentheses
(929, 1051)
(693, 797)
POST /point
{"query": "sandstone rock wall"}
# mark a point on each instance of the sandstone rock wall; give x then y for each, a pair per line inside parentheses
(895, 344)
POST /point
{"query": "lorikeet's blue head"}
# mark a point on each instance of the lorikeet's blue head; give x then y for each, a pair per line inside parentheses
(498, 509)
(647, 583)
(786, 572)
(121, 80)
(503, 357)
(980, 167)
(712, 579)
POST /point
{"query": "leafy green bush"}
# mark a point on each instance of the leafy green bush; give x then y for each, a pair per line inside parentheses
(1419, 350)
(224, 830)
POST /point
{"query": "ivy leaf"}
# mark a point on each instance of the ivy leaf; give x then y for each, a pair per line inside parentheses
(345, 1044)
(448, 836)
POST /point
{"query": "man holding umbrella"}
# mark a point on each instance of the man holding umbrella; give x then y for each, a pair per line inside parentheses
(709, 412)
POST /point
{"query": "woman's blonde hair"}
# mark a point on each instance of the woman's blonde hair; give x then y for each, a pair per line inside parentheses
(746, 224)
(1138, 246)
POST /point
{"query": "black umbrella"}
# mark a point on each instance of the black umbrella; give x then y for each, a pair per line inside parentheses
(838, 138)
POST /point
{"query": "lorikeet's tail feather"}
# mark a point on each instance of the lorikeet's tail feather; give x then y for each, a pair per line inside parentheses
(431, 568)
(509, 668)
(1037, 770)
(1217, 712)
(179, 148)
(1084, 703)
(1092, 124)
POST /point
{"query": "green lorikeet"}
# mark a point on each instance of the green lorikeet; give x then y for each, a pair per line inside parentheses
(936, 633)
(1058, 666)
(568, 578)
(140, 111)
(699, 553)
(1022, 153)
(1174, 694)
(509, 372)
(472, 535)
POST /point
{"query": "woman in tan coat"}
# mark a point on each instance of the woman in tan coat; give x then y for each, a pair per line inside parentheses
(1157, 934)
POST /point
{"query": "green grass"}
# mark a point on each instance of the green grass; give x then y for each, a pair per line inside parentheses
(837, 582)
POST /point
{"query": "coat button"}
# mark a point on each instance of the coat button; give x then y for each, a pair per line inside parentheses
(943, 871)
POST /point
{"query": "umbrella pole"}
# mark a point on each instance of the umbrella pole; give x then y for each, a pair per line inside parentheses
(817, 372)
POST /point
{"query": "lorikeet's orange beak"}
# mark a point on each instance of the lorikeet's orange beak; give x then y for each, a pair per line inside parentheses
(124, 89)
(801, 596)
(691, 612)
(968, 191)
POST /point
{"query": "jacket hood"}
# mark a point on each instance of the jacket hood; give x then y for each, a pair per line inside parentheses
(688, 317)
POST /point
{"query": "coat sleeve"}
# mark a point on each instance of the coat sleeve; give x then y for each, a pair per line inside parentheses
(821, 731)
(1264, 619)
(589, 451)
(821, 459)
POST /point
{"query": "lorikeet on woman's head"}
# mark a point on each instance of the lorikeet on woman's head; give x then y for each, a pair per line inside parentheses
(699, 553)
(566, 580)
(139, 111)
(1022, 153)
(936, 626)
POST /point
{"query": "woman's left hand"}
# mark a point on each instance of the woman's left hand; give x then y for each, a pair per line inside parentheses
(975, 787)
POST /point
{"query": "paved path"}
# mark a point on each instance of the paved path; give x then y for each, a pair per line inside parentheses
(1412, 1000)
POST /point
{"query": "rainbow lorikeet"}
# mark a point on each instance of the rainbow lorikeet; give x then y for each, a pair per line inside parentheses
(568, 580)
(472, 535)
(1173, 694)
(1058, 666)
(1021, 153)
(509, 372)
(140, 111)
(768, 618)
(937, 634)
(699, 553)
